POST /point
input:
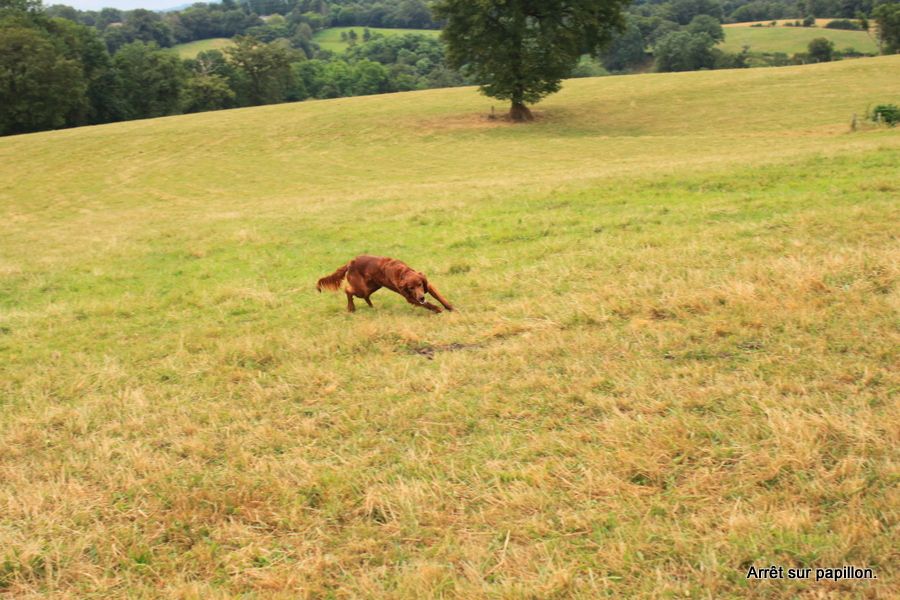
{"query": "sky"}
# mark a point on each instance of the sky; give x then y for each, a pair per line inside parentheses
(123, 4)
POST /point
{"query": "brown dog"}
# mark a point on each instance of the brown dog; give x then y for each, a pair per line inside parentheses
(368, 274)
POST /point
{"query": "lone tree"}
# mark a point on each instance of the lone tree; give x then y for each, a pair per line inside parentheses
(520, 50)
(821, 50)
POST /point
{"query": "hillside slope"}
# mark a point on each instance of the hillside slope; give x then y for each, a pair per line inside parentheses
(674, 355)
(439, 142)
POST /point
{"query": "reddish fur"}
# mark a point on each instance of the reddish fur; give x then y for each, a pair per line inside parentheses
(333, 281)
(366, 275)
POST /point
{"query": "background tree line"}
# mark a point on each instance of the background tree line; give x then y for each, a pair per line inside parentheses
(60, 67)
(681, 35)
(298, 20)
(58, 72)
(246, 17)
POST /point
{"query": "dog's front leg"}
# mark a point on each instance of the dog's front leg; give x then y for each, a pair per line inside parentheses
(427, 305)
(433, 291)
(431, 307)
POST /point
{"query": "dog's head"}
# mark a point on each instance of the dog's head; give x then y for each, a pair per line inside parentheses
(414, 285)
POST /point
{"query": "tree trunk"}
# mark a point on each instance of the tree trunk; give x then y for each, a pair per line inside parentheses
(519, 113)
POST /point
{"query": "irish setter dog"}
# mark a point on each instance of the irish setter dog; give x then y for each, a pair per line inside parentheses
(367, 274)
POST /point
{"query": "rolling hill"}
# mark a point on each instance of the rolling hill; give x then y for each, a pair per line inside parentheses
(674, 354)
(792, 40)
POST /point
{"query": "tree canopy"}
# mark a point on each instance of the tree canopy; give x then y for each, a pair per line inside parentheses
(520, 50)
(888, 17)
(40, 88)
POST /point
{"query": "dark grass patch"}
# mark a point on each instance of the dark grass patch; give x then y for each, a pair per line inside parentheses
(429, 351)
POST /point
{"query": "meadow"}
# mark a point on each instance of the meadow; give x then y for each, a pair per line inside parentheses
(792, 40)
(330, 39)
(192, 49)
(674, 354)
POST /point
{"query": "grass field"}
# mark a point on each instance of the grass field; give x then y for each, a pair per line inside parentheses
(792, 40)
(330, 39)
(192, 49)
(675, 354)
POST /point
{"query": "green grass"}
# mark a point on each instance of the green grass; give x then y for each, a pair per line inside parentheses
(674, 355)
(330, 39)
(792, 40)
(192, 49)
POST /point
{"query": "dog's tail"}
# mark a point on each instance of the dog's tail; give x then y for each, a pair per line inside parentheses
(333, 281)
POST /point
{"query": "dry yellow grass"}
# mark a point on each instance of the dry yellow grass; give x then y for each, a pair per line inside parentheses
(675, 354)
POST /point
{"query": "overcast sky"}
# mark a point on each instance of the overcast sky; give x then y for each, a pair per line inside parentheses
(123, 4)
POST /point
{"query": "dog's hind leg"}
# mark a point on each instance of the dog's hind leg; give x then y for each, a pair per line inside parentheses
(371, 290)
(350, 306)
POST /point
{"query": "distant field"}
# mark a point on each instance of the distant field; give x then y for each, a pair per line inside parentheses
(330, 39)
(192, 49)
(761, 39)
(819, 22)
(674, 355)
(791, 40)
